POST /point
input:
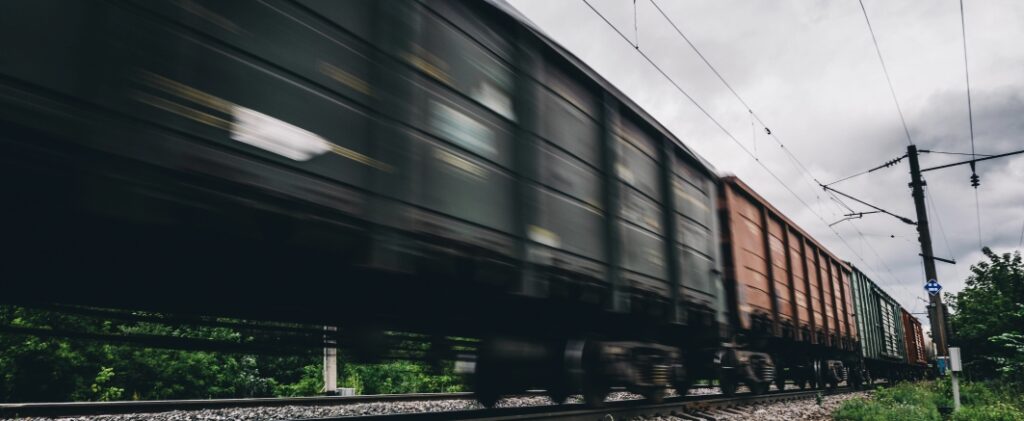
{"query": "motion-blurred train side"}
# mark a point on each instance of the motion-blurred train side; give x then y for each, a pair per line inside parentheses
(439, 167)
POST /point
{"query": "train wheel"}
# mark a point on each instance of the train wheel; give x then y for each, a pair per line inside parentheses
(487, 398)
(780, 378)
(801, 381)
(856, 378)
(595, 384)
(758, 388)
(595, 394)
(558, 396)
(484, 388)
(817, 378)
(655, 395)
(727, 382)
(683, 386)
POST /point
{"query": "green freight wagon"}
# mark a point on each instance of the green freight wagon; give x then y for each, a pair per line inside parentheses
(880, 327)
(436, 167)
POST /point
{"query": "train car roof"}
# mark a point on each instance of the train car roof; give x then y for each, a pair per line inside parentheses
(746, 189)
(516, 15)
(879, 287)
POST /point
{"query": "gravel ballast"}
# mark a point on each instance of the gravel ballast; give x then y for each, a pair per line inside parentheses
(797, 410)
(769, 412)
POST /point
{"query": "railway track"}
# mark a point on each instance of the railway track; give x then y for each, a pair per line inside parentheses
(58, 409)
(692, 407)
(687, 407)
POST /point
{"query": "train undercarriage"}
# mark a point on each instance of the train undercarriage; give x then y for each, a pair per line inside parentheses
(592, 368)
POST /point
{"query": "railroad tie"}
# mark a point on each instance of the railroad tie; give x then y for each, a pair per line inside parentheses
(706, 415)
(687, 416)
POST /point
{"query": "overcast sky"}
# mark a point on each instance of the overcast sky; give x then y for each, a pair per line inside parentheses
(810, 71)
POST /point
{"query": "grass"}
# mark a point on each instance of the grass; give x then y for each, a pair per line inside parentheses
(921, 402)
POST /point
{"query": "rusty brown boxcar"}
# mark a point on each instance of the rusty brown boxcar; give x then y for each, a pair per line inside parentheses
(785, 289)
(914, 340)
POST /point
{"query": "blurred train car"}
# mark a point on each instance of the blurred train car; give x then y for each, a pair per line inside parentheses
(881, 327)
(792, 296)
(438, 167)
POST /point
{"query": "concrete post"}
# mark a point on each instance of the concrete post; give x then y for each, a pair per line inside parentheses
(330, 361)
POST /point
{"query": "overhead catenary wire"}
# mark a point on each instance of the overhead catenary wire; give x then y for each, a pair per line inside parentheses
(932, 210)
(887, 164)
(1021, 242)
(735, 94)
(722, 128)
(977, 216)
(885, 70)
(888, 270)
(967, 75)
(848, 177)
(804, 170)
(636, 29)
(952, 153)
(970, 120)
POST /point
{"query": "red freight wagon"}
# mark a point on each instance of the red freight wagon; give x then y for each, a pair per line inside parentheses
(914, 340)
(785, 289)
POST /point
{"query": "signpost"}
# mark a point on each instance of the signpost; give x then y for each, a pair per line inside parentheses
(954, 367)
(932, 286)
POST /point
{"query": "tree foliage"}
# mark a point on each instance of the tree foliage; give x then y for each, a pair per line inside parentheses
(988, 318)
(34, 369)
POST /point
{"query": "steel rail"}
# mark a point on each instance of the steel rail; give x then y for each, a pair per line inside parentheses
(619, 409)
(130, 407)
(683, 407)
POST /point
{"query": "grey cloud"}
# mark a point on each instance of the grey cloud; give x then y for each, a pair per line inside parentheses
(808, 68)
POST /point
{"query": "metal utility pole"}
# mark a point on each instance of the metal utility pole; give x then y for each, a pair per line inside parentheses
(937, 316)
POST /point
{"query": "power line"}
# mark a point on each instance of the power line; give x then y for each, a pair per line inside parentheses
(805, 171)
(1021, 243)
(870, 247)
(972, 154)
(887, 164)
(931, 203)
(721, 127)
(967, 75)
(849, 177)
(977, 215)
(636, 30)
(905, 220)
(733, 91)
(886, 71)
(933, 211)
(970, 119)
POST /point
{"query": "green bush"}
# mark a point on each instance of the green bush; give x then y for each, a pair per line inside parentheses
(977, 394)
(871, 410)
(992, 412)
(912, 394)
(920, 401)
(904, 401)
(311, 383)
(399, 377)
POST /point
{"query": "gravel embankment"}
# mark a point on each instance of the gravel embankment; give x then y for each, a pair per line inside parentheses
(800, 410)
(352, 409)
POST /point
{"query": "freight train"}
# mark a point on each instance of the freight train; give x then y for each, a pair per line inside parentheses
(439, 167)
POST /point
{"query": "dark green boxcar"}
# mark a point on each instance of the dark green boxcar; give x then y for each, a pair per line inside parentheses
(441, 127)
(878, 320)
